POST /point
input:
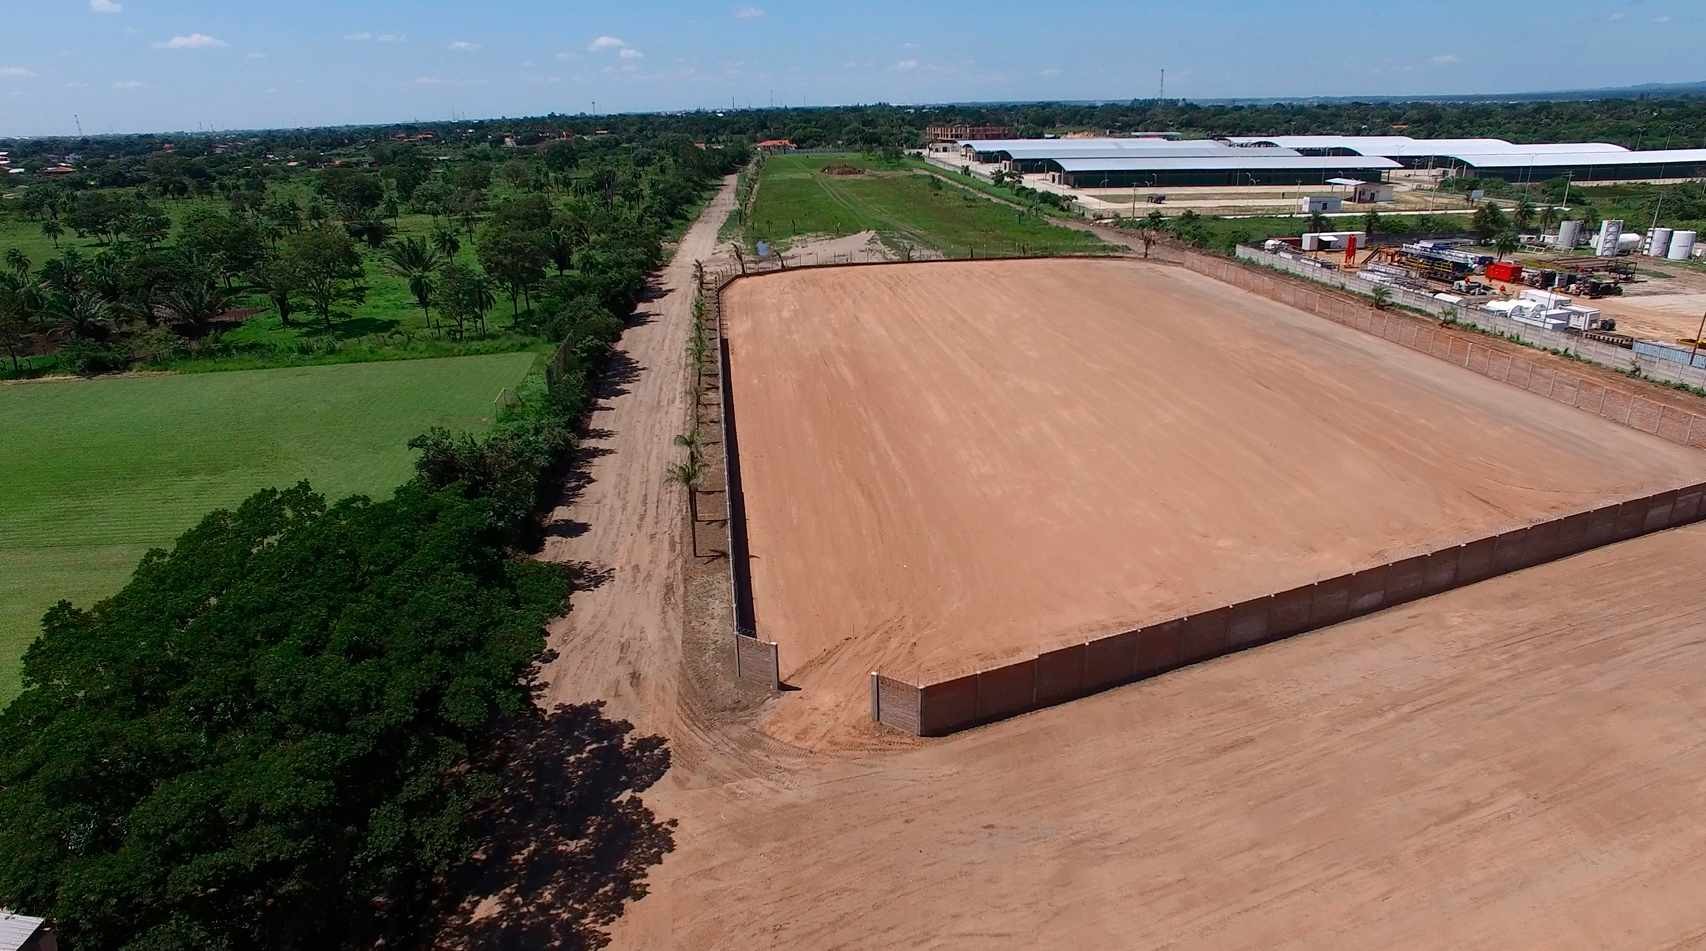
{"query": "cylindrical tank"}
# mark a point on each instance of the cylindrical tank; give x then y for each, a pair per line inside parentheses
(1658, 243)
(1681, 246)
(1569, 234)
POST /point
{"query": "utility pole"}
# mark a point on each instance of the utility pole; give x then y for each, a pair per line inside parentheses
(1162, 92)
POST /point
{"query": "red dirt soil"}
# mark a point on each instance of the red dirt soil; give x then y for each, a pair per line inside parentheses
(952, 465)
(1516, 764)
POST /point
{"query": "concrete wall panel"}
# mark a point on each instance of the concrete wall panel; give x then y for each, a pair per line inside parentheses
(1060, 674)
(1543, 542)
(1630, 517)
(1688, 505)
(1331, 603)
(1442, 570)
(1511, 551)
(1290, 611)
(1110, 661)
(1602, 527)
(1368, 591)
(1204, 635)
(1573, 534)
(1249, 623)
(757, 661)
(1475, 561)
(1005, 691)
(1159, 648)
(899, 704)
(950, 705)
(1406, 580)
(1658, 512)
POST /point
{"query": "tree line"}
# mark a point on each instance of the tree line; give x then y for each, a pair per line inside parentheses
(551, 227)
(299, 725)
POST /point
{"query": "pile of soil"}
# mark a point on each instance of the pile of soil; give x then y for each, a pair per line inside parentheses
(843, 169)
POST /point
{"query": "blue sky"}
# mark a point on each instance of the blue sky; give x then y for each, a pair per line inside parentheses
(142, 65)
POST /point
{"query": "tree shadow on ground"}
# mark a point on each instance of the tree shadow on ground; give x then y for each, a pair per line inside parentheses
(567, 843)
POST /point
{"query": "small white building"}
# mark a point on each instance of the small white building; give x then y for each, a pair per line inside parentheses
(1323, 204)
(22, 933)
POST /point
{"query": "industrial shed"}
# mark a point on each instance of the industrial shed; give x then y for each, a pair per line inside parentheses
(1497, 158)
(1219, 169)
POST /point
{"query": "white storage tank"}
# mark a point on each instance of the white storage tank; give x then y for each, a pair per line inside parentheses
(1569, 234)
(1681, 246)
(1658, 243)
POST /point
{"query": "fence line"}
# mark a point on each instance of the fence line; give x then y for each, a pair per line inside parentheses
(1612, 403)
(1074, 671)
(1594, 351)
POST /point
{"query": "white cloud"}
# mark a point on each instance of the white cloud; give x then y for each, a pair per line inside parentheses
(1444, 59)
(567, 56)
(1050, 72)
(76, 85)
(272, 90)
(528, 64)
(392, 38)
(16, 72)
(194, 41)
(602, 43)
(1663, 19)
(441, 81)
(628, 52)
(463, 46)
(358, 37)
(257, 55)
(1616, 17)
(105, 6)
(127, 84)
(905, 66)
(748, 13)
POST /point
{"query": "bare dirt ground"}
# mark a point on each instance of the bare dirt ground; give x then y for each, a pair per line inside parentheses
(1512, 764)
(955, 465)
(860, 247)
(1516, 764)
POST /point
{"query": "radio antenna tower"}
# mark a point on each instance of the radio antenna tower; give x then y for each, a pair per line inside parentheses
(1162, 92)
(79, 120)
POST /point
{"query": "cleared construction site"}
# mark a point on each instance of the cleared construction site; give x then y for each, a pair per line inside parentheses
(958, 470)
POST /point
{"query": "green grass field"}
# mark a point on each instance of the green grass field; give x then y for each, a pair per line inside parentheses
(796, 197)
(93, 473)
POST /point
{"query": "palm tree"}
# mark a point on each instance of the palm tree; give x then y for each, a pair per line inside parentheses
(83, 311)
(689, 475)
(691, 442)
(699, 351)
(1506, 242)
(53, 229)
(1382, 297)
(1317, 222)
(446, 242)
(416, 261)
(18, 261)
(196, 300)
(560, 244)
(1524, 214)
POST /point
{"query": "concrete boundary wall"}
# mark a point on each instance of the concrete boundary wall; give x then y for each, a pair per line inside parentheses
(1615, 404)
(1067, 673)
(1615, 357)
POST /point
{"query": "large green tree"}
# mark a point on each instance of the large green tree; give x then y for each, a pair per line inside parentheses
(269, 738)
(328, 267)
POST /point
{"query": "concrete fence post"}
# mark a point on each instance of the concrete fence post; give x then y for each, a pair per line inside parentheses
(876, 700)
(1468, 348)
(1631, 414)
(1688, 438)
(1552, 385)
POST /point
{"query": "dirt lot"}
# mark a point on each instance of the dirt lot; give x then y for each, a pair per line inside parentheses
(1514, 764)
(959, 464)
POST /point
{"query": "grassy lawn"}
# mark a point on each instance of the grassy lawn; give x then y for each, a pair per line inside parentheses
(93, 473)
(796, 197)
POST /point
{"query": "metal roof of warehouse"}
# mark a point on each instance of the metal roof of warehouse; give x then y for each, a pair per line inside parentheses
(1233, 161)
(1071, 145)
(1543, 159)
(1394, 146)
(1196, 149)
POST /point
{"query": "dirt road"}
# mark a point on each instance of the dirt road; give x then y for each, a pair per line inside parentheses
(622, 525)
